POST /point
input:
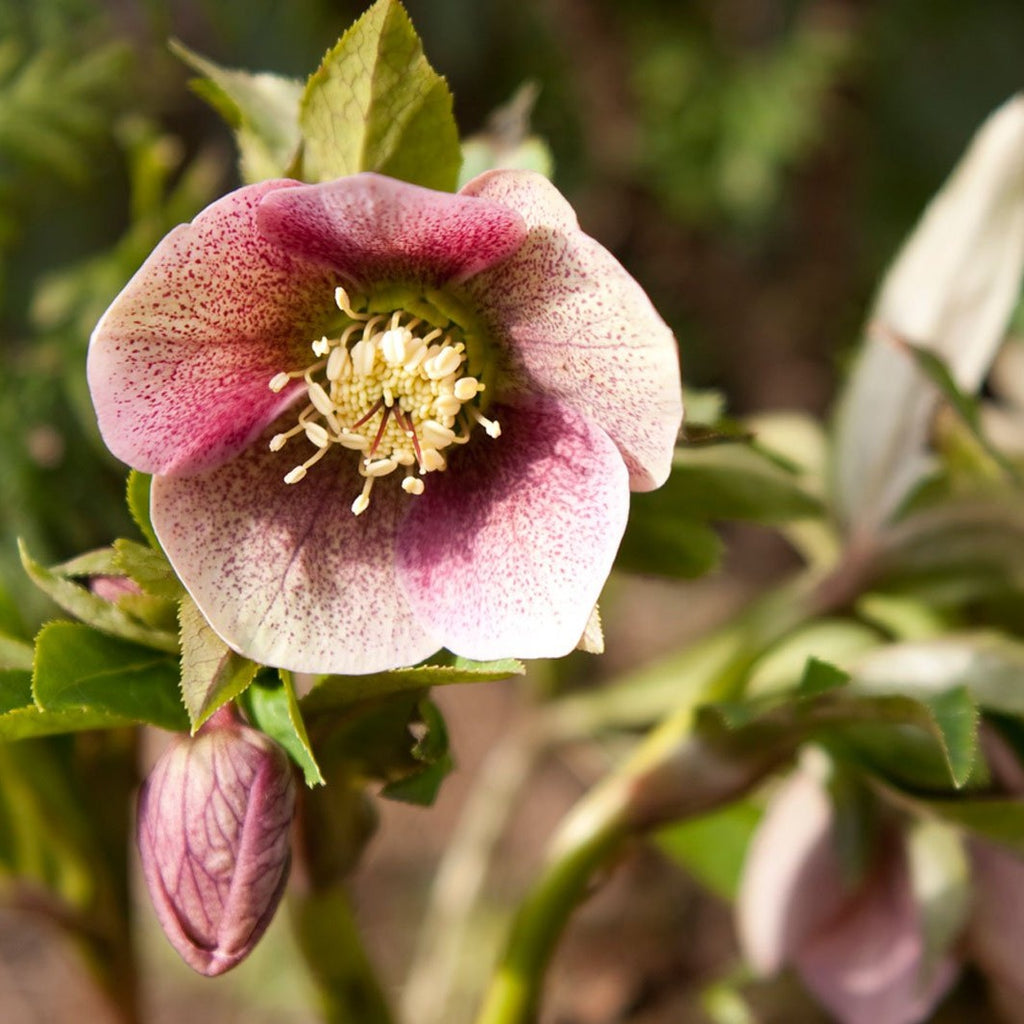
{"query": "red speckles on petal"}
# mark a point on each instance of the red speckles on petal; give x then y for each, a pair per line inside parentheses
(179, 364)
(285, 573)
(506, 553)
(374, 229)
(576, 326)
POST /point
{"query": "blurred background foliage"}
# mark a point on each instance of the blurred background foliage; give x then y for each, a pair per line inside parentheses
(754, 163)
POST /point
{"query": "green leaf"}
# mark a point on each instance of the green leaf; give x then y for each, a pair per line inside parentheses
(999, 819)
(668, 532)
(966, 406)
(820, 677)
(375, 104)
(14, 654)
(31, 723)
(211, 673)
(334, 692)
(77, 669)
(956, 718)
(95, 611)
(659, 543)
(940, 877)
(148, 567)
(988, 665)
(712, 847)
(734, 481)
(273, 708)
(262, 108)
(15, 689)
(138, 488)
(421, 786)
(45, 834)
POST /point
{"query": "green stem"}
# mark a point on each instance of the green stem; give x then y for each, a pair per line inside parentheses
(672, 775)
(330, 942)
(589, 838)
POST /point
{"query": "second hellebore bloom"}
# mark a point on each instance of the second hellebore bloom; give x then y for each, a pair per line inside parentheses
(213, 828)
(299, 365)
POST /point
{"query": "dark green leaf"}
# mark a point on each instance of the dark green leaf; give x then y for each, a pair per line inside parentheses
(820, 677)
(659, 543)
(15, 689)
(95, 611)
(273, 708)
(262, 108)
(732, 481)
(78, 669)
(421, 786)
(375, 104)
(211, 673)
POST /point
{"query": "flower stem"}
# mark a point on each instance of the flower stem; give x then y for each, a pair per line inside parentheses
(329, 939)
(672, 775)
(589, 838)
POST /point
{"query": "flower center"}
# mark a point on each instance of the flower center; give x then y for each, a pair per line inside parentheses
(392, 388)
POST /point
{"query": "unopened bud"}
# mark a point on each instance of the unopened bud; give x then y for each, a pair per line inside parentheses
(213, 832)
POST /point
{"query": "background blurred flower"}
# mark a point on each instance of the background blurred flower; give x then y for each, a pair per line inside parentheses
(858, 944)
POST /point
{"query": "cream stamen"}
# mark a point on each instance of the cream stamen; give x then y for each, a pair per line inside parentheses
(389, 387)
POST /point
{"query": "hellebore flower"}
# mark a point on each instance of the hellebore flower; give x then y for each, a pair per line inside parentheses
(213, 832)
(299, 365)
(860, 948)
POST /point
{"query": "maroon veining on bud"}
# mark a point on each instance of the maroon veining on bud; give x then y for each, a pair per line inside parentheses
(213, 832)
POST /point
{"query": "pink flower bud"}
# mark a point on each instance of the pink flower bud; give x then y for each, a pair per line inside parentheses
(213, 831)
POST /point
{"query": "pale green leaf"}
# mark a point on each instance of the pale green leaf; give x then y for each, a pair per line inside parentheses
(95, 611)
(262, 108)
(147, 567)
(138, 489)
(334, 692)
(375, 104)
(211, 673)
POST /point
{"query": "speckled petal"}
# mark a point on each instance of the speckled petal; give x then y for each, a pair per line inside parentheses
(179, 364)
(375, 230)
(792, 879)
(286, 574)
(871, 966)
(578, 327)
(506, 552)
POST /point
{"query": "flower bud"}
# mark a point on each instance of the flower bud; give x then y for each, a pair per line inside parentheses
(213, 833)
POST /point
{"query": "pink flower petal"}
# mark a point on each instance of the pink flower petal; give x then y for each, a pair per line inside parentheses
(578, 327)
(374, 229)
(505, 553)
(996, 933)
(286, 574)
(868, 966)
(179, 364)
(792, 880)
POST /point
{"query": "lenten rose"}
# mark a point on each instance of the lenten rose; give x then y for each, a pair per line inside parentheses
(384, 419)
